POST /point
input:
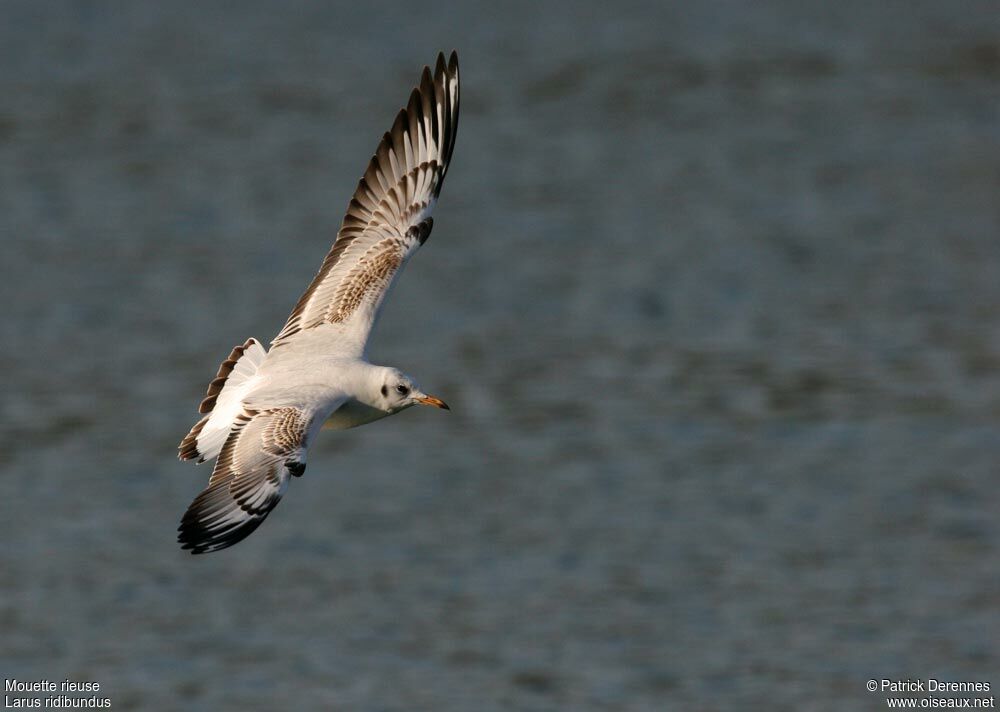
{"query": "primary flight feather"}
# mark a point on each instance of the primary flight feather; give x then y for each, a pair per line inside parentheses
(263, 408)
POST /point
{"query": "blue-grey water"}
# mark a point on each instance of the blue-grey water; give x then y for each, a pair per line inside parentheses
(713, 292)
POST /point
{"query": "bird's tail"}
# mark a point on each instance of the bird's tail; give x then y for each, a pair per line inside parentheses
(222, 403)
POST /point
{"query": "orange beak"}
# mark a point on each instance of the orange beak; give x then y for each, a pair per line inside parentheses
(431, 400)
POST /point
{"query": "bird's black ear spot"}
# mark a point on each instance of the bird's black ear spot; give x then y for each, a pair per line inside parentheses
(384, 391)
(296, 468)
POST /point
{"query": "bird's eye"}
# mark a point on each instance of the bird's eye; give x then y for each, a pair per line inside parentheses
(402, 390)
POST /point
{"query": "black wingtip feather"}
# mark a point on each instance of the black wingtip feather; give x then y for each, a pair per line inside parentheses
(400, 124)
(198, 541)
(196, 533)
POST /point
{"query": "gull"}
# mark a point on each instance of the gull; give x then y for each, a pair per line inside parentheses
(264, 408)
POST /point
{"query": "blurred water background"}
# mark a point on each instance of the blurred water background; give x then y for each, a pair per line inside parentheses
(713, 293)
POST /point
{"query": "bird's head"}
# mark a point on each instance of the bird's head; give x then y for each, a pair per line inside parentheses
(397, 391)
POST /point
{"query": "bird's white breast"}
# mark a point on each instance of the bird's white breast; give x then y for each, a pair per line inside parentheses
(352, 414)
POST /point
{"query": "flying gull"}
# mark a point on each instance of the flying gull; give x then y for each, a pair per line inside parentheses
(264, 408)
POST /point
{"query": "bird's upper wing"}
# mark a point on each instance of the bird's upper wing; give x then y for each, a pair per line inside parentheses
(264, 448)
(389, 216)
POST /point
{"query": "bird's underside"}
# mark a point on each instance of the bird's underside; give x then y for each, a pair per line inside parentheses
(264, 407)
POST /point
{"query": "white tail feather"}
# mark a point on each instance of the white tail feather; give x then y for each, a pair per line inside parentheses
(223, 402)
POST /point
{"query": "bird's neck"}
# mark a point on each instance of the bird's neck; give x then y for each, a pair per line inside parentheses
(365, 398)
(363, 382)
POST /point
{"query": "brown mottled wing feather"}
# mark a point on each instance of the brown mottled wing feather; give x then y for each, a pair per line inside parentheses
(389, 216)
(263, 450)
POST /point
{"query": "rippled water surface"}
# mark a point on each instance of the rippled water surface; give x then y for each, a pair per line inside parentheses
(713, 293)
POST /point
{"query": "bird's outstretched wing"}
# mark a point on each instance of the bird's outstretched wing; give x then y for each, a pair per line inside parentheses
(264, 449)
(389, 216)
